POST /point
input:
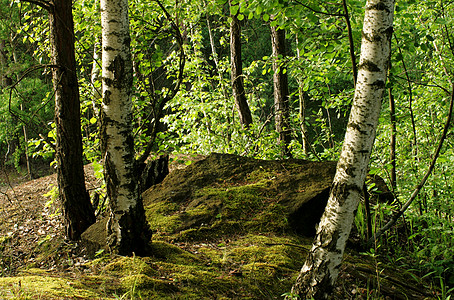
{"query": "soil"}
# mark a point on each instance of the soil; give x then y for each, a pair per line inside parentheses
(29, 216)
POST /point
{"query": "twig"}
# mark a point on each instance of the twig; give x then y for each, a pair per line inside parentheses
(287, 244)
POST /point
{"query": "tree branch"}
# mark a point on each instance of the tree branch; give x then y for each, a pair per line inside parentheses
(17, 115)
(173, 92)
(418, 188)
(47, 5)
(350, 40)
(319, 12)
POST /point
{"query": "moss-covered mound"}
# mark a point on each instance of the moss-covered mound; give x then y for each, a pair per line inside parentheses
(226, 227)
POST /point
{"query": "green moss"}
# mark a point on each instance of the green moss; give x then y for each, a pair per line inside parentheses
(167, 252)
(261, 176)
(42, 287)
(229, 268)
(162, 218)
(129, 266)
(143, 286)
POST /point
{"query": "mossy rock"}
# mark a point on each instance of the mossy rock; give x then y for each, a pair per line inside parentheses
(228, 194)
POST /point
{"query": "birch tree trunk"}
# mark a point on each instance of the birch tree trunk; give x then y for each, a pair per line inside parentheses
(237, 73)
(127, 229)
(281, 94)
(321, 268)
(77, 208)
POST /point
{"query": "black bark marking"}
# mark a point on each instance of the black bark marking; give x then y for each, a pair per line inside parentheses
(106, 98)
(108, 48)
(378, 84)
(356, 127)
(369, 66)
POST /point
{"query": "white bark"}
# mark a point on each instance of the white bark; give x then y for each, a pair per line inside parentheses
(320, 271)
(126, 218)
(116, 106)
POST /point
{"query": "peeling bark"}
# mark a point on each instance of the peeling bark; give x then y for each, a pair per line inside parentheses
(320, 271)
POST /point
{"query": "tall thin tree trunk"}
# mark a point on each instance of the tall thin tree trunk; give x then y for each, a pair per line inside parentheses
(27, 158)
(302, 95)
(216, 59)
(127, 229)
(77, 208)
(95, 72)
(4, 79)
(237, 73)
(281, 94)
(321, 268)
(351, 42)
(392, 143)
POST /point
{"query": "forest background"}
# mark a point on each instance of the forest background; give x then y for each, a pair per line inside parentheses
(202, 117)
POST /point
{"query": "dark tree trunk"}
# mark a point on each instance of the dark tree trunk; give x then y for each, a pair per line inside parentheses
(392, 143)
(4, 79)
(237, 73)
(281, 95)
(77, 209)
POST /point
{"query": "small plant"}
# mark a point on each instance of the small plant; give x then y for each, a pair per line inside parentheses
(291, 296)
(53, 197)
(446, 292)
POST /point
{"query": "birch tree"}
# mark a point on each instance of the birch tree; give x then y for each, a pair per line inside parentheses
(321, 268)
(127, 229)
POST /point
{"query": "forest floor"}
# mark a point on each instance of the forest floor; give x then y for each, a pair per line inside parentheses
(38, 263)
(30, 216)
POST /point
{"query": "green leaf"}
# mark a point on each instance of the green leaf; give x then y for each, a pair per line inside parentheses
(266, 17)
(93, 120)
(234, 10)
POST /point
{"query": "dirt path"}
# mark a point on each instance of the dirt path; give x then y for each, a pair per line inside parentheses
(29, 216)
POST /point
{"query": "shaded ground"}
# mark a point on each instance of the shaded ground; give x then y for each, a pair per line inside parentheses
(209, 243)
(30, 218)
